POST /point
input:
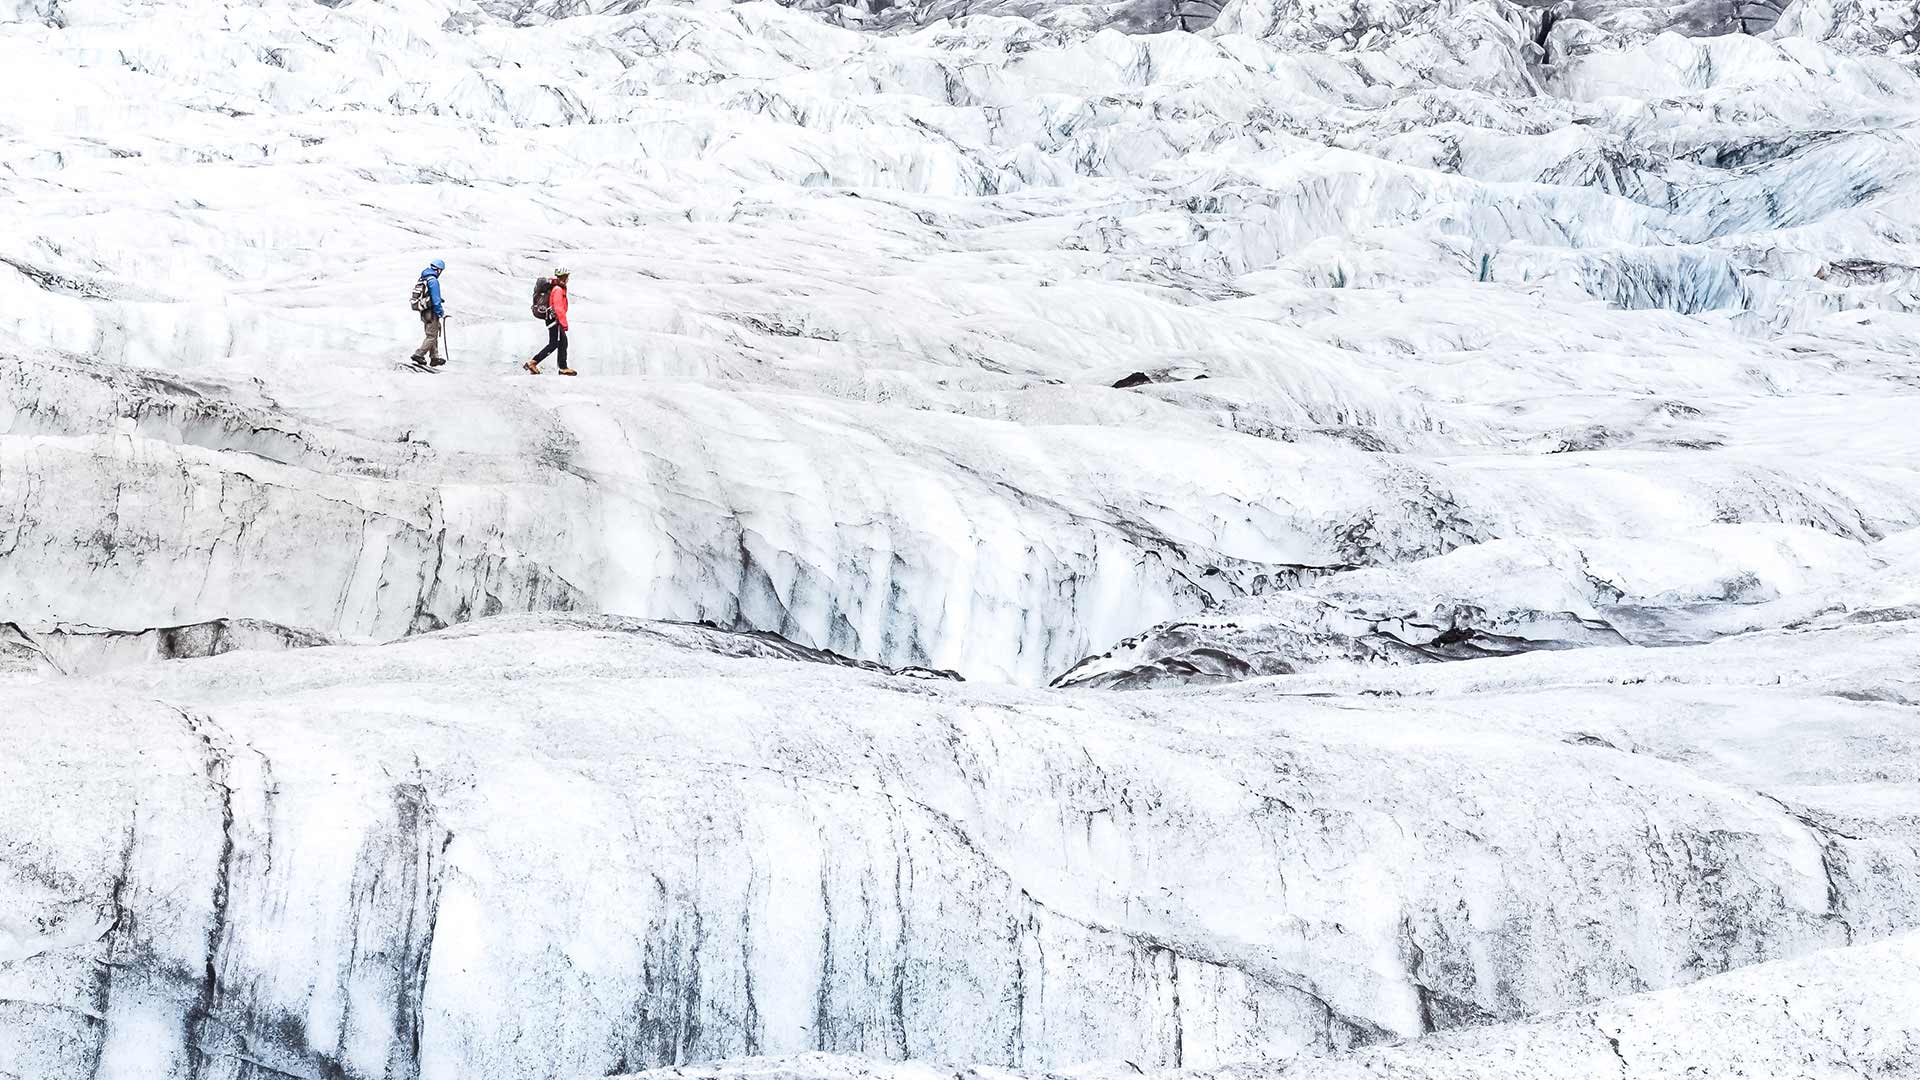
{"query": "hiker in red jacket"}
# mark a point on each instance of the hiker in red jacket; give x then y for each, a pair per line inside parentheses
(550, 303)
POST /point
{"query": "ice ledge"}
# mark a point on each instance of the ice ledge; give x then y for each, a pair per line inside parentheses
(73, 649)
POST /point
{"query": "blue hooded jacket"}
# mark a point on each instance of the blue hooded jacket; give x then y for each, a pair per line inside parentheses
(431, 275)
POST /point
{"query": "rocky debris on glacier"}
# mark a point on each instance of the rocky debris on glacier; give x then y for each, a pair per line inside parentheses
(1844, 1012)
(529, 847)
(858, 301)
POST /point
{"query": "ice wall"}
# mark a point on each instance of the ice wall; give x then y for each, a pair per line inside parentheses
(577, 846)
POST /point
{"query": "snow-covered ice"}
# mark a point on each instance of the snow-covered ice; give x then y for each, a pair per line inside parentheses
(1482, 428)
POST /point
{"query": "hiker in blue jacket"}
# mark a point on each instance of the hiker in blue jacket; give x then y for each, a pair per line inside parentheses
(426, 301)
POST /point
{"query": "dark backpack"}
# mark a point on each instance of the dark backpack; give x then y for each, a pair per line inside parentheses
(420, 299)
(542, 298)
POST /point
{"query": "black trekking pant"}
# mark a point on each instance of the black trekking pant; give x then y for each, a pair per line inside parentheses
(556, 343)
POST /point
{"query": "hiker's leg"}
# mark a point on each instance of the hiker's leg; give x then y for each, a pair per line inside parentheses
(556, 339)
(430, 345)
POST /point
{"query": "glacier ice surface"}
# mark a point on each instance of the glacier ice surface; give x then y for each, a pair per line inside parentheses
(1301, 363)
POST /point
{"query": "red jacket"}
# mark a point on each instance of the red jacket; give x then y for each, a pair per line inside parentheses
(557, 299)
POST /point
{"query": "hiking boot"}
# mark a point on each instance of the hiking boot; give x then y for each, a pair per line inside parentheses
(568, 371)
(532, 368)
(420, 361)
(439, 361)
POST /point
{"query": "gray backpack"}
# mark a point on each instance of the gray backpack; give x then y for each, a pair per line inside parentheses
(421, 299)
(542, 298)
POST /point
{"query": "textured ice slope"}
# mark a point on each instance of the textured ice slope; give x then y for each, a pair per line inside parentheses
(533, 848)
(851, 305)
(1842, 1013)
